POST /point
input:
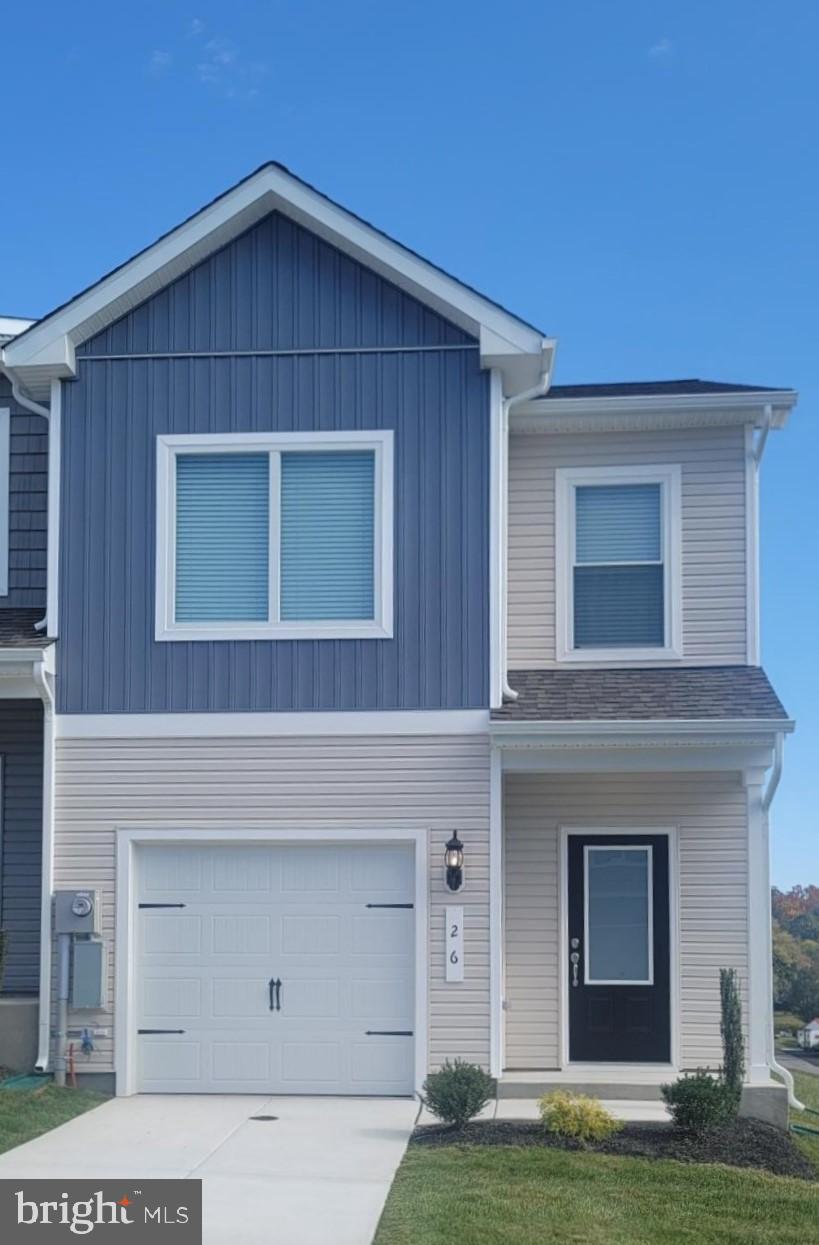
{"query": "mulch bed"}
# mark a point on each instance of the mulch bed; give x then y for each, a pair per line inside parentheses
(747, 1143)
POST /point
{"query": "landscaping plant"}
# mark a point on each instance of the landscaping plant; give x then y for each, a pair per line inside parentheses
(458, 1091)
(574, 1115)
(733, 1043)
(699, 1101)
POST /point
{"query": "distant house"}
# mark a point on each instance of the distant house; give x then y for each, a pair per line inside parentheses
(808, 1036)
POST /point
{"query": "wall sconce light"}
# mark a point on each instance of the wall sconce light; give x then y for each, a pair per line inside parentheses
(454, 860)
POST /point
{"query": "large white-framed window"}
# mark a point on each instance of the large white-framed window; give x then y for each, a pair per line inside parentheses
(274, 536)
(618, 563)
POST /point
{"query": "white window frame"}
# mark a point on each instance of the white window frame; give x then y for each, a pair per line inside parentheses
(567, 481)
(274, 444)
(648, 850)
(5, 497)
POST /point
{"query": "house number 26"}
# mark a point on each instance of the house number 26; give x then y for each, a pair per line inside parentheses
(454, 944)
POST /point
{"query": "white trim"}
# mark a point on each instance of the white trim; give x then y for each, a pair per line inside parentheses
(647, 727)
(380, 442)
(642, 407)
(272, 725)
(760, 1007)
(567, 480)
(751, 549)
(53, 539)
(648, 850)
(497, 576)
(505, 339)
(497, 1036)
(5, 497)
(130, 838)
(41, 672)
(674, 943)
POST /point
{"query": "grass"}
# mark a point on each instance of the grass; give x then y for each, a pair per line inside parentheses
(807, 1091)
(26, 1113)
(515, 1196)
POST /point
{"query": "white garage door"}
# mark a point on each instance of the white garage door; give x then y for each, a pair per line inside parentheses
(275, 969)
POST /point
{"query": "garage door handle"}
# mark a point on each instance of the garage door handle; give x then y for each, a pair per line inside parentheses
(274, 987)
(278, 995)
(271, 986)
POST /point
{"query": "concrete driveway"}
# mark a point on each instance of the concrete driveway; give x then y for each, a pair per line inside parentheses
(319, 1172)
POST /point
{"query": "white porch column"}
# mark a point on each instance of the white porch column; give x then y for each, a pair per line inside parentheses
(496, 1029)
(759, 933)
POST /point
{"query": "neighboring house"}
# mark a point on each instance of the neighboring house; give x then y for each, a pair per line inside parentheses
(335, 573)
(808, 1035)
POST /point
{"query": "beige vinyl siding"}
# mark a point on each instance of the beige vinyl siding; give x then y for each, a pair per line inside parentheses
(713, 534)
(710, 814)
(434, 783)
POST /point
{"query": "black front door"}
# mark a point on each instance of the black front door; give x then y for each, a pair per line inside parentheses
(618, 953)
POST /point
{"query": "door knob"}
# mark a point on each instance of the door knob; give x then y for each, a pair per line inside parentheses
(575, 962)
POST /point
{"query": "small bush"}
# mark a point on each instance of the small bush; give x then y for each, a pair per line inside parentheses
(699, 1101)
(458, 1091)
(573, 1115)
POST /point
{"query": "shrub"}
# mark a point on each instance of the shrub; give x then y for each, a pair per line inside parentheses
(699, 1101)
(458, 1091)
(573, 1115)
(733, 1044)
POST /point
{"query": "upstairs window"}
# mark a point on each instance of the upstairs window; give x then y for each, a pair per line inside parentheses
(274, 536)
(618, 563)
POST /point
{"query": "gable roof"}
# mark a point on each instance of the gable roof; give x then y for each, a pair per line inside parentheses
(45, 351)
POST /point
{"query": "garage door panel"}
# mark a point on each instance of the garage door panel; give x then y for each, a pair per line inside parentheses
(310, 934)
(293, 913)
(241, 934)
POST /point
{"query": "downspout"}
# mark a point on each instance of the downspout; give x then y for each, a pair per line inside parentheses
(536, 391)
(759, 448)
(767, 799)
(47, 867)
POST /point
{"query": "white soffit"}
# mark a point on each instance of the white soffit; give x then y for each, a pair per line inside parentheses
(648, 412)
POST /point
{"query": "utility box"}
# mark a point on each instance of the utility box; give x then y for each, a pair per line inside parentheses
(77, 912)
(88, 973)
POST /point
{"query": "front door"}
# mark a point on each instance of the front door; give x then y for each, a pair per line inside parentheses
(618, 948)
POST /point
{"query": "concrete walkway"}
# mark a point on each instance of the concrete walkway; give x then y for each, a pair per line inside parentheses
(319, 1173)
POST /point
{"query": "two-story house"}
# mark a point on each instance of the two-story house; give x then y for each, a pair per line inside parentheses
(336, 576)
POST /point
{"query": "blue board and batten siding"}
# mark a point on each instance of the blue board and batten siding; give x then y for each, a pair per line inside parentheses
(380, 361)
(28, 487)
(21, 749)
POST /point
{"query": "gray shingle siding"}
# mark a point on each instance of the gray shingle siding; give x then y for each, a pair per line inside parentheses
(28, 501)
(21, 749)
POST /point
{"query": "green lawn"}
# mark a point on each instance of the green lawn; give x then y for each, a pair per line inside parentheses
(807, 1091)
(26, 1113)
(517, 1196)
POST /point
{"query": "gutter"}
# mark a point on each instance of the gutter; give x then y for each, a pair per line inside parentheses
(46, 692)
(767, 800)
(759, 448)
(538, 390)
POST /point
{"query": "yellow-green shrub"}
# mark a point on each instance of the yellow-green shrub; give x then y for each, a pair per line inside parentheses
(574, 1115)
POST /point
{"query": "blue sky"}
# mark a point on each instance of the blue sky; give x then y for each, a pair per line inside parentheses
(639, 178)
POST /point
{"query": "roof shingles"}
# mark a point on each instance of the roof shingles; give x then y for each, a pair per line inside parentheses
(684, 693)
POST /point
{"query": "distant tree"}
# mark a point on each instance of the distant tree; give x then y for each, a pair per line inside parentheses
(789, 960)
(799, 901)
(804, 995)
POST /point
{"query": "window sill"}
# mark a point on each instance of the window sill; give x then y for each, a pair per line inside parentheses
(335, 630)
(628, 656)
